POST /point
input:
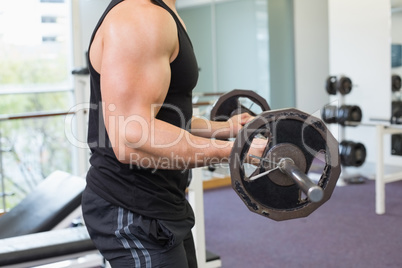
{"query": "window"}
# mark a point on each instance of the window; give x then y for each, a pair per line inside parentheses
(26, 61)
(49, 19)
(35, 78)
(49, 39)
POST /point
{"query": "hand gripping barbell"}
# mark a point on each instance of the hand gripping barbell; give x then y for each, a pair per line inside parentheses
(275, 188)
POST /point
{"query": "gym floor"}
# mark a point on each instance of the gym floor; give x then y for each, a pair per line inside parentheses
(344, 232)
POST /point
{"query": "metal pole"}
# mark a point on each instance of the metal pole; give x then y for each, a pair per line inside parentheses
(313, 191)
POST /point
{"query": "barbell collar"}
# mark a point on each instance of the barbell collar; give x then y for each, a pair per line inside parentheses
(312, 191)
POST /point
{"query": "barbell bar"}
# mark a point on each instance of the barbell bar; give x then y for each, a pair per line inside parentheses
(288, 167)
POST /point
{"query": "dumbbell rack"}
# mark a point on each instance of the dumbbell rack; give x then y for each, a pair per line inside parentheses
(340, 90)
(348, 178)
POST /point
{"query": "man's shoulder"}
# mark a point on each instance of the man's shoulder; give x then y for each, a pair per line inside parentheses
(140, 17)
(140, 25)
(139, 11)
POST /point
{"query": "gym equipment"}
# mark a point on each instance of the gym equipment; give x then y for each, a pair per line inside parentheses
(343, 85)
(330, 85)
(396, 117)
(353, 154)
(396, 144)
(279, 187)
(35, 231)
(396, 83)
(396, 106)
(52, 201)
(48, 247)
(275, 188)
(382, 177)
(229, 104)
(42, 248)
(342, 115)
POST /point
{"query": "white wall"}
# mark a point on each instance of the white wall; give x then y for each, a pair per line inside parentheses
(360, 47)
(311, 54)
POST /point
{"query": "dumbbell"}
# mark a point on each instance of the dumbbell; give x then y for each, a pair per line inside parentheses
(396, 83)
(341, 115)
(396, 117)
(342, 85)
(396, 141)
(353, 154)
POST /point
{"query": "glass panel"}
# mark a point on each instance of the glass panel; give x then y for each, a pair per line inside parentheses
(242, 46)
(35, 76)
(31, 149)
(230, 40)
(198, 24)
(35, 50)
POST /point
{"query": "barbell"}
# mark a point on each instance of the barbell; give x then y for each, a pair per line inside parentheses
(278, 187)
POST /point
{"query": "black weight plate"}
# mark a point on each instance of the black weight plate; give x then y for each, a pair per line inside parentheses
(330, 85)
(344, 85)
(276, 196)
(396, 83)
(353, 154)
(228, 104)
(288, 126)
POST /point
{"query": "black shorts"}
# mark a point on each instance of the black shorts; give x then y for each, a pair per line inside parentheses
(127, 239)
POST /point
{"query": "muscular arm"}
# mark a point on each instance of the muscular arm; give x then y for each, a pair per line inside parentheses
(221, 130)
(134, 61)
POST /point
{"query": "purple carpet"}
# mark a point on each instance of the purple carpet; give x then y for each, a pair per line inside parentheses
(344, 232)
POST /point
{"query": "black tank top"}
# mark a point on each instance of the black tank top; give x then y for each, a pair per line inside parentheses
(153, 193)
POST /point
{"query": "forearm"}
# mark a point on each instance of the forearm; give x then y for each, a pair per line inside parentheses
(162, 145)
(203, 127)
